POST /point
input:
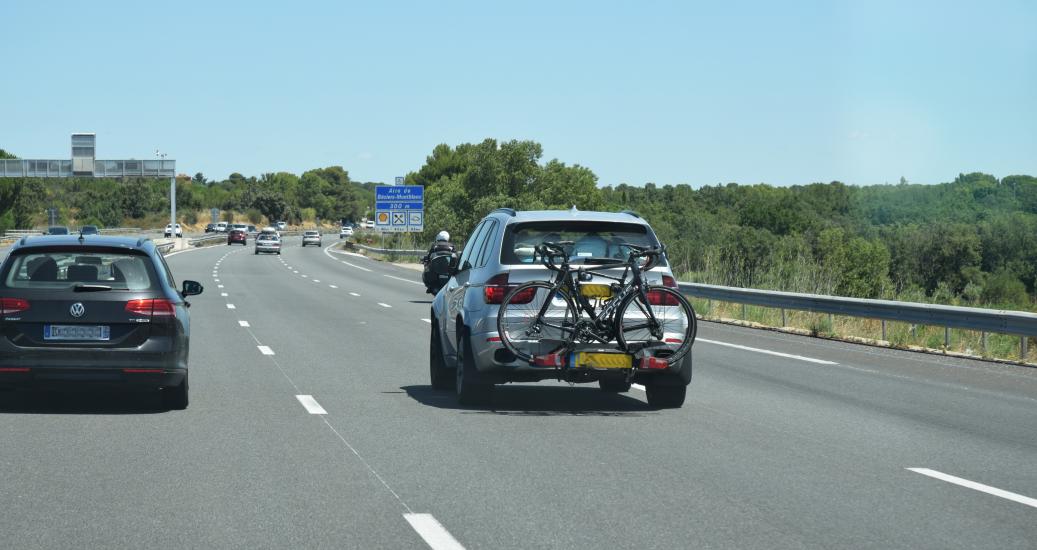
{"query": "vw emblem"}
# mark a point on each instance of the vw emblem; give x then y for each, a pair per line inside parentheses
(77, 309)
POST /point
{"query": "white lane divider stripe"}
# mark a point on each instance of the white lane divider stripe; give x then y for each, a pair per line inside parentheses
(332, 286)
(316, 280)
(768, 352)
(404, 280)
(304, 276)
(1032, 502)
(637, 387)
(310, 404)
(219, 286)
(358, 267)
(244, 323)
(433, 532)
(429, 321)
(231, 306)
(224, 294)
(383, 304)
(217, 280)
(265, 350)
(353, 294)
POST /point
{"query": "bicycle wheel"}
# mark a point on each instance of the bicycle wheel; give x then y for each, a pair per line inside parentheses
(675, 325)
(525, 332)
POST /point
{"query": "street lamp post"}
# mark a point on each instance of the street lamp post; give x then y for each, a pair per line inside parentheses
(172, 191)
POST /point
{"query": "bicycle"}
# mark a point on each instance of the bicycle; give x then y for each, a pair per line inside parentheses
(631, 314)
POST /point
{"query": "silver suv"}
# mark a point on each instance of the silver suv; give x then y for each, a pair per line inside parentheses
(465, 352)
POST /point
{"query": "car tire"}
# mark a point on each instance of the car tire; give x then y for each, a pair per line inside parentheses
(470, 388)
(257, 253)
(666, 396)
(175, 398)
(441, 377)
(614, 385)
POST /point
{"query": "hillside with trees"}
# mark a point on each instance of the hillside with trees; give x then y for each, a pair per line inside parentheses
(971, 241)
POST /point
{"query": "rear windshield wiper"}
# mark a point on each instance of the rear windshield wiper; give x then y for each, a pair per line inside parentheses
(90, 288)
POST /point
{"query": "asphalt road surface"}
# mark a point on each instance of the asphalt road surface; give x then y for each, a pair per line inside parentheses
(312, 425)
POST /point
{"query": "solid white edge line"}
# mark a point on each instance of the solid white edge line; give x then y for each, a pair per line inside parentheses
(383, 304)
(265, 350)
(768, 352)
(231, 306)
(432, 532)
(1014, 497)
(244, 324)
(310, 404)
(404, 280)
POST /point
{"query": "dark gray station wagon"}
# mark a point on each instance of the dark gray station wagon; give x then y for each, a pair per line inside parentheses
(93, 309)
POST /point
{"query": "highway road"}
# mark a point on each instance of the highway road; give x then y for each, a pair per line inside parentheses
(312, 425)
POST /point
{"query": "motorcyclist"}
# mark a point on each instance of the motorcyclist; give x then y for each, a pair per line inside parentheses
(434, 282)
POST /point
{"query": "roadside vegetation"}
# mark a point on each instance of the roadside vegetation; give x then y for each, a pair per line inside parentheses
(971, 241)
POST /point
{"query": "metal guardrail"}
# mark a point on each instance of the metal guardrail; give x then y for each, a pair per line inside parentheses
(197, 241)
(164, 248)
(397, 252)
(1018, 323)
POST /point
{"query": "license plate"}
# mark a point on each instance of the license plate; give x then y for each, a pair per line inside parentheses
(604, 360)
(100, 333)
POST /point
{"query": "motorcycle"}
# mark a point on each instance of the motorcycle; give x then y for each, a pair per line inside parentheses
(433, 281)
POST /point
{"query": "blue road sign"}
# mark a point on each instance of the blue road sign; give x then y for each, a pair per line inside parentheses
(398, 206)
(399, 193)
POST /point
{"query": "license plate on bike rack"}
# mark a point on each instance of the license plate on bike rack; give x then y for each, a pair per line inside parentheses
(597, 360)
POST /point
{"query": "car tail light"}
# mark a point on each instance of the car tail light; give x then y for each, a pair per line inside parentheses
(652, 363)
(661, 298)
(549, 360)
(10, 306)
(152, 307)
(497, 288)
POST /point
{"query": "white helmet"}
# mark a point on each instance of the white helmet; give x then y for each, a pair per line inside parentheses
(443, 236)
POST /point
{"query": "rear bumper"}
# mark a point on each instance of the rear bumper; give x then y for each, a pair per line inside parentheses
(489, 355)
(92, 376)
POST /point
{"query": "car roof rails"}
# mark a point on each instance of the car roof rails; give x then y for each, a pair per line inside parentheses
(631, 213)
(140, 241)
(504, 210)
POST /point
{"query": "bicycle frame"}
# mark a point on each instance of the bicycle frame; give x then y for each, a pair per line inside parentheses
(567, 280)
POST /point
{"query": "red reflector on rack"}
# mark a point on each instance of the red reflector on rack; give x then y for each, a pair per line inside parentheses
(549, 360)
(673, 340)
(493, 339)
(652, 363)
(14, 369)
(142, 371)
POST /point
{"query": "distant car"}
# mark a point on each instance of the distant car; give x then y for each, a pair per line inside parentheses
(281, 226)
(237, 236)
(57, 230)
(89, 230)
(268, 242)
(170, 230)
(241, 226)
(221, 227)
(100, 311)
(210, 228)
(251, 229)
(311, 237)
(345, 232)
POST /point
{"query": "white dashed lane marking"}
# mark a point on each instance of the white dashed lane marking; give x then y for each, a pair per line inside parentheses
(353, 294)
(332, 286)
(1014, 497)
(429, 321)
(311, 404)
(244, 323)
(265, 350)
(404, 280)
(433, 532)
(231, 306)
(383, 304)
(224, 294)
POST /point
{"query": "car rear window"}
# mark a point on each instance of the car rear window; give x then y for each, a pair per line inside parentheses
(61, 269)
(310, 233)
(603, 241)
(268, 237)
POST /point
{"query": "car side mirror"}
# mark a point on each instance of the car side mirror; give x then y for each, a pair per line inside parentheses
(443, 264)
(192, 288)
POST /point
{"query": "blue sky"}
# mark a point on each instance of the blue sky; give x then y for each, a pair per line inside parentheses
(667, 92)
